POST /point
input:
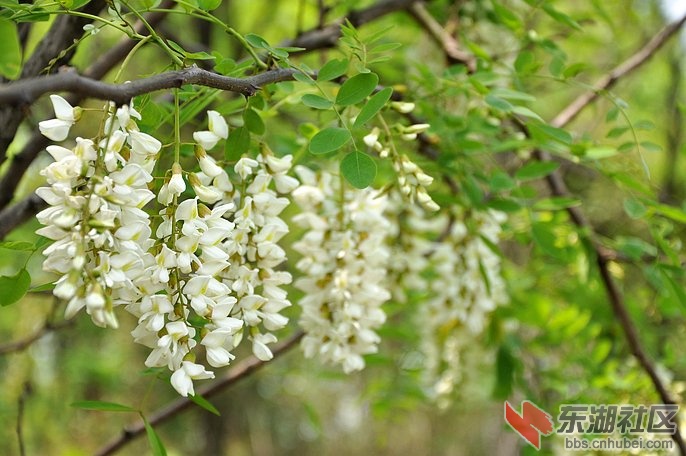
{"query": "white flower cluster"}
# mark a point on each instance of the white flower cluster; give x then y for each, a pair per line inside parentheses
(465, 287)
(101, 233)
(208, 272)
(344, 268)
(412, 180)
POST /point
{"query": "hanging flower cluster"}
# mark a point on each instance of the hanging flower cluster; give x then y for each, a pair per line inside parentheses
(206, 276)
(465, 286)
(412, 180)
(344, 268)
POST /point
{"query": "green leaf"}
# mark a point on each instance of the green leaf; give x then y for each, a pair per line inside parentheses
(598, 153)
(10, 50)
(617, 132)
(498, 103)
(558, 134)
(237, 144)
(503, 204)
(545, 238)
(526, 112)
(253, 121)
(44, 287)
(356, 89)
(102, 406)
(154, 440)
(651, 146)
(505, 364)
(256, 41)
(300, 77)
(634, 208)
(332, 69)
(22, 246)
(359, 169)
(513, 95)
(13, 288)
(561, 17)
(536, 170)
(556, 203)
(329, 139)
(209, 5)
(316, 102)
(526, 63)
(204, 403)
(374, 105)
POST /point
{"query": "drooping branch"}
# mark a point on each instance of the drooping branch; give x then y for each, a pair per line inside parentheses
(241, 370)
(26, 91)
(558, 188)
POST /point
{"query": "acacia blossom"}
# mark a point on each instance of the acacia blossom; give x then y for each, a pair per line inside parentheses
(344, 268)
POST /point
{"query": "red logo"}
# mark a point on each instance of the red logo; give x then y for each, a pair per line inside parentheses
(531, 423)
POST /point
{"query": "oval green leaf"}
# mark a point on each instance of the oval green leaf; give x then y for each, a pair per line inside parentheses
(359, 169)
(332, 69)
(154, 440)
(237, 144)
(13, 288)
(356, 89)
(328, 140)
(10, 50)
(204, 403)
(374, 105)
(536, 170)
(103, 406)
(253, 121)
(316, 102)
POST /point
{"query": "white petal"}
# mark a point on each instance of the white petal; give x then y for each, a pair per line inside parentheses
(63, 110)
(206, 139)
(217, 124)
(55, 129)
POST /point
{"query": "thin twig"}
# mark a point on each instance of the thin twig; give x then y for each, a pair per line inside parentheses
(25, 391)
(559, 188)
(239, 371)
(610, 79)
(449, 45)
(26, 342)
(26, 91)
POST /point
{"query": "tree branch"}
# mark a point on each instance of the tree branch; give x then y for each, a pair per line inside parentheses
(559, 188)
(319, 38)
(447, 42)
(26, 91)
(13, 216)
(26, 342)
(239, 371)
(63, 31)
(610, 79)
(37, 142)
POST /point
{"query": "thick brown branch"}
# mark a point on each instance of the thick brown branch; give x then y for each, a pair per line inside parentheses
(238, 372)
(13, 216)
(26, 91)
